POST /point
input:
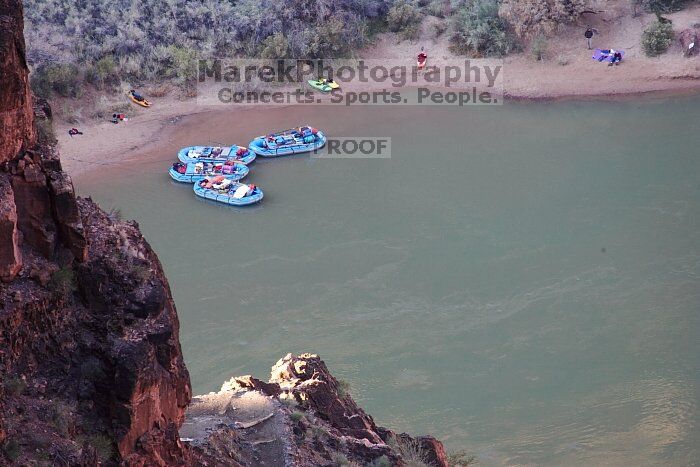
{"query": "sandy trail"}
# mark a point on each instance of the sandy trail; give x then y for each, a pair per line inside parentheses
(566, 72)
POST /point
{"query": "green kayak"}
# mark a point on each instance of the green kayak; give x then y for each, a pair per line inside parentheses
(321, 85)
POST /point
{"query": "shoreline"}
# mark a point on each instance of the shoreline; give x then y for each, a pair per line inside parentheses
(80, 159)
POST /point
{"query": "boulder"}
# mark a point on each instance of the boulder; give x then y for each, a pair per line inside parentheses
(10, 254)
(67, 215)
(34, 214)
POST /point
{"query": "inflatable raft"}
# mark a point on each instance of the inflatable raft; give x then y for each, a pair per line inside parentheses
(228, 192)
(294, 141)
(195, 171)
(215, 154)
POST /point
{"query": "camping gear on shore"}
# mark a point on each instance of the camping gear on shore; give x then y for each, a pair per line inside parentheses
(422, 59)
(226, 191)
(611, 56)
(689, 39)
(137, 98)
(293, 141)
(192, 172)
(216, 154)
(321, 85)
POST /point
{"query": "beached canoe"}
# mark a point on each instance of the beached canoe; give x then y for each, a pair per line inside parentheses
(294, 141)
(228, 192)
(215, 154)
(195, 171)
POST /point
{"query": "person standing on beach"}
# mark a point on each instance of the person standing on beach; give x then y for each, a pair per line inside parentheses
(589, 35)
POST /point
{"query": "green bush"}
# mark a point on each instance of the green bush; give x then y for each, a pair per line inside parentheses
(478, 30)
(460, 459)
(12, 450)
(45, 133)
(15, 386)
(62, 282)
(60, 78)
(538, 48)
(103, 446)
(656, 38)
(382, 461)
(402, 15)
(343, 388)
(660, 6)
(156, 40)
(275, 46)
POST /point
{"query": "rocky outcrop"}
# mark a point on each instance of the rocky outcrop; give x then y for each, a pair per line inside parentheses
(10, 254)
(305, 416)
(16, 131)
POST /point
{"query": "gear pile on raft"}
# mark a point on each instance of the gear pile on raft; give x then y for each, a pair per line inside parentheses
(217, 171)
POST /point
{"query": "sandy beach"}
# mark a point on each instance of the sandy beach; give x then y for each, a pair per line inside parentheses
(567, 72)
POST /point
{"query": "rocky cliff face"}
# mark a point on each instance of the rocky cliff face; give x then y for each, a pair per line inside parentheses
(15, 98)
(91, 371)
(90, 360)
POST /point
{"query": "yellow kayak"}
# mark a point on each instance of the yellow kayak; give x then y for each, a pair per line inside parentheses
(142, 102)
(332, 84)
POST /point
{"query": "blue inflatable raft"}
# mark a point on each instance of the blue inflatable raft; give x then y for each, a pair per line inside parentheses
(196, 171)
(228, 192)
(215, 154)
(294, 141)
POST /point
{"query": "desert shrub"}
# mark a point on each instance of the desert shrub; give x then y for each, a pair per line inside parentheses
(538, 48)
(660, 6)
(410, 451)
(540, 16)
(460, 459)
(15, 386)
(45, 133)
(343, 388)
(103, 446)
(437, 8)
(62, 282)
(339, 459)
(63, 418)
(382, 461)
(297, 416)
(439, 28)
(275, 46)
(12, 450)
(402, 15)
(479, 30)
(156, 40)
(60, 78)
(656, 38)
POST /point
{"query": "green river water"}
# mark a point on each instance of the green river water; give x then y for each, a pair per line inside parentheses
(522, 281)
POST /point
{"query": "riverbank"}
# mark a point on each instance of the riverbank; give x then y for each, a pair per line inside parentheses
(567, 72)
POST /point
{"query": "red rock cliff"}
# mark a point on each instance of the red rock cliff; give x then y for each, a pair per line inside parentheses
(90, 359)
(15, 98)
